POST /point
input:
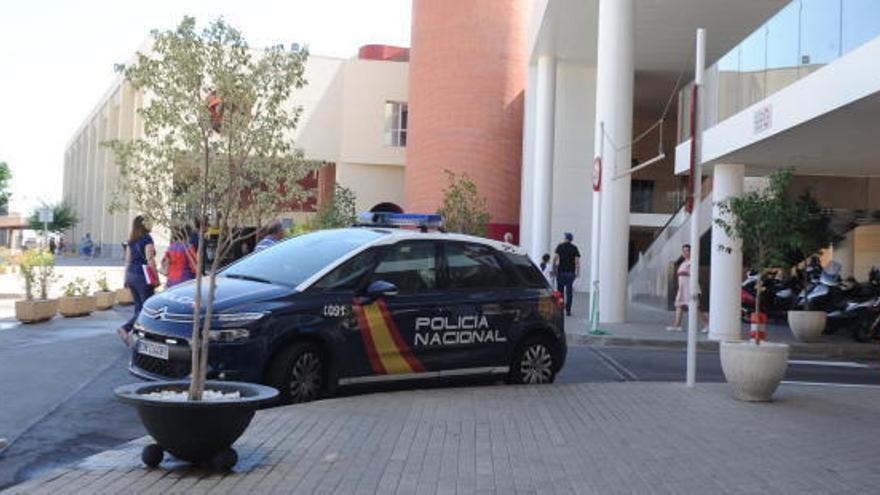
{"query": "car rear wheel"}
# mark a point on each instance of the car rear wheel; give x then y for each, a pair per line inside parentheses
(534, 362)
(298, 373)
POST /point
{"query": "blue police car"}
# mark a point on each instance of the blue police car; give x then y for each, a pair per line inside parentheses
(364, 304)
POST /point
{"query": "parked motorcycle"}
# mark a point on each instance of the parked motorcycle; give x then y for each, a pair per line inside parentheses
(843, 300)
(777, 297)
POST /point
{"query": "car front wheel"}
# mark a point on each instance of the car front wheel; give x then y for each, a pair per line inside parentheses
(534, 362)
(298, 373)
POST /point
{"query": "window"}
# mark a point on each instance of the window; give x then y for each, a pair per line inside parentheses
(473, 266)
(396, 114)
(348, 275)
(293, 261)
(641, 198)
(527, 270)
(411, 266)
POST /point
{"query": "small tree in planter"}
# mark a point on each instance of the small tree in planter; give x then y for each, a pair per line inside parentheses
(339, 212)
(104, 297)
(463, 209)
(770, 227)
(217, 147)
(77, 300)
(38, 273)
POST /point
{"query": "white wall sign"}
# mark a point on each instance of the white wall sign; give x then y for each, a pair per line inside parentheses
(763, 118)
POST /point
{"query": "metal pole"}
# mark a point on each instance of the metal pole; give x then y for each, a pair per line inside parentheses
(597, 219)
(694, 279)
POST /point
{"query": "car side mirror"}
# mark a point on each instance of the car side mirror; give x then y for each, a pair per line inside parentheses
(381, 288)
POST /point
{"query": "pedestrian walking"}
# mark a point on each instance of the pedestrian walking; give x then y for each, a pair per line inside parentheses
(179, 262)
(85, 248)
(547, 268)
(271, 234)
(567, 268)
(684, 292)
(140, 271)
(52, 245)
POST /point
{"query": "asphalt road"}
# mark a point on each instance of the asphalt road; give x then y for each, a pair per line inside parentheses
(56, 401)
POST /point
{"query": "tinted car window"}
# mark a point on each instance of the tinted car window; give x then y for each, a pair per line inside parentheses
(411, 266)
(349, 274)
(293, 261)
(527, 270)
(474, 266)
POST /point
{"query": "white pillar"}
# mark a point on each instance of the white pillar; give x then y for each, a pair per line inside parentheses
(844, 252)
(614, 108)
(726, 268)
(542, 192)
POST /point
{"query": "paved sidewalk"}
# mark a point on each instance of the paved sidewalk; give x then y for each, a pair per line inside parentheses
(585, 438)
(646, 327)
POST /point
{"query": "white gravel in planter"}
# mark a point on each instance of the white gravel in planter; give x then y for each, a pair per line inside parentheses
(207, 395)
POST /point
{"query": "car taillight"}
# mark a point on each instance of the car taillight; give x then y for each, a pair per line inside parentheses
(558, 299)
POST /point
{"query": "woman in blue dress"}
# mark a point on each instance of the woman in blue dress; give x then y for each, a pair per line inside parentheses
(141, 252)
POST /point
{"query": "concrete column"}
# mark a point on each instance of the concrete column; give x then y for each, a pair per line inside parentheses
(726, 268)
(844, 252)
(614, 108)
(542, 192)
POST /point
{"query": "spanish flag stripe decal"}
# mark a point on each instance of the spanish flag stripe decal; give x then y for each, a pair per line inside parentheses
(402, 348)
(389, 354)
(369, 346)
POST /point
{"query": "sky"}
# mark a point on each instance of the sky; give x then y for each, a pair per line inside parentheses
(57, 56)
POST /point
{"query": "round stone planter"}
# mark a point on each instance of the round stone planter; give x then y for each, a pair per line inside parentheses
(77, 306)
(754, 370)
(105, 299)
(200, 432)
(807, 326)
(123, 296)
(36, 310)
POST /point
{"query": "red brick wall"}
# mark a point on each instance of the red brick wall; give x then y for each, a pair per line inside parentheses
(466, 80)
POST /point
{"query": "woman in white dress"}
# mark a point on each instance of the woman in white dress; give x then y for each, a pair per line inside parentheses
(683, 296)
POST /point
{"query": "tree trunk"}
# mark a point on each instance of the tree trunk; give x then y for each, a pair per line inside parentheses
(196, 385)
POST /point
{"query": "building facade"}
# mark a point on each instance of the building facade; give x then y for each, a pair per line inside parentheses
(789, 84)
(353, 118)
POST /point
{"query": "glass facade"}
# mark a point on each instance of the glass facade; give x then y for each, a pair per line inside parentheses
(800, 39)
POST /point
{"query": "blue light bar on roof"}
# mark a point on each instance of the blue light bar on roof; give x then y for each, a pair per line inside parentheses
(420, 220)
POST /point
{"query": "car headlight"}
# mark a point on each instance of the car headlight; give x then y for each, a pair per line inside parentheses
(229, 335)
(239, 317)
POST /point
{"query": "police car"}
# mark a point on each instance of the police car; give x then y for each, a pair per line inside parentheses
(370, 303)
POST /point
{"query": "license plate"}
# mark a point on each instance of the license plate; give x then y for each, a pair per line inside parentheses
(153, 349)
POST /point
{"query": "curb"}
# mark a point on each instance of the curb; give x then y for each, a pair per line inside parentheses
(798, 349)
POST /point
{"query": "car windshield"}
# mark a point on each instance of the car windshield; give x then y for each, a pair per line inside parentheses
(293, 261)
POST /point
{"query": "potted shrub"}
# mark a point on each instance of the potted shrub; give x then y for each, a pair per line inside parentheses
(811, 234)
(123, 296)
(37, 271)
(104, 297)
(234, 165)
(76, 300)
(769, 227)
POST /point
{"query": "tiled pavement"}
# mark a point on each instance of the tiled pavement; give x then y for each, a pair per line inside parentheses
(584, 438)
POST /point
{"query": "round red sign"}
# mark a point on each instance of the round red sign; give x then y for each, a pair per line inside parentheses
(597, 173)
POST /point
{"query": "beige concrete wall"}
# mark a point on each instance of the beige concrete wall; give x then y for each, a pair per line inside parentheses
(867, 250)
(368, 84)
(372, 183)
(342, 116)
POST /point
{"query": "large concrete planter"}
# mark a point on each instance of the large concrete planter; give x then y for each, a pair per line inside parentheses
(105, 299)
(76, 306)
(35, 311)
(123, 296)
(807, 326)
(754, 370)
